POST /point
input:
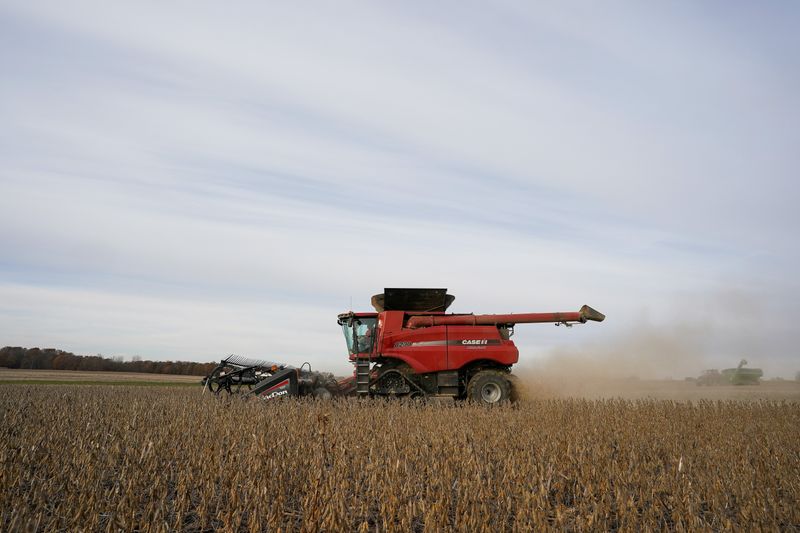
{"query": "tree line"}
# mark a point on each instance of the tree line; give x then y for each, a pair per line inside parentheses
(52, 359)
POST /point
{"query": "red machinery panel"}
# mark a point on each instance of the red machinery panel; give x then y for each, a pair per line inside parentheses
(425, 349)
(466, 344)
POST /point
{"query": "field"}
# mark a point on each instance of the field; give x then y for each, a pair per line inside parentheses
(535, 388)
(14, 375)
(635, 389)
(165, 458)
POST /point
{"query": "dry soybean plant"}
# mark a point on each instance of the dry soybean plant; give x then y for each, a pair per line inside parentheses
(161, 459)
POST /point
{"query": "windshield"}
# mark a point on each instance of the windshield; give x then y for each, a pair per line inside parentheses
(364, 335)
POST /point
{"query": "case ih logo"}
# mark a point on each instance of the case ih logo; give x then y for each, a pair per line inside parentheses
(465, 342)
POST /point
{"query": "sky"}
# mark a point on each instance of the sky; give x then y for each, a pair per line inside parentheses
(186, 180)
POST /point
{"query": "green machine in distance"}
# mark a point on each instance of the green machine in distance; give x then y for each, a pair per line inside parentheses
(732, 376)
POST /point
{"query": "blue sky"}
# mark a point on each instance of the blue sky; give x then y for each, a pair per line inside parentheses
(185, 180)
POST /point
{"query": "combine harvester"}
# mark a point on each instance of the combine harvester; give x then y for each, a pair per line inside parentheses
(732, 376)
(408, 347)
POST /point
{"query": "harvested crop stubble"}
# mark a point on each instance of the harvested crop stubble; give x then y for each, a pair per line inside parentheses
(132, 458)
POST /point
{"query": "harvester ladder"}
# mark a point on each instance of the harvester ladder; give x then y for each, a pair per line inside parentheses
(362, 376)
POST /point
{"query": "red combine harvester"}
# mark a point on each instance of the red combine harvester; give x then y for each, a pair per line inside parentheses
(409, 347)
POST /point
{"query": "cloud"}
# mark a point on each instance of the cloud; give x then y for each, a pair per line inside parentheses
(265, 158)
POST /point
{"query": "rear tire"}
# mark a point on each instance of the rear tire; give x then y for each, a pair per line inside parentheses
(489, 387)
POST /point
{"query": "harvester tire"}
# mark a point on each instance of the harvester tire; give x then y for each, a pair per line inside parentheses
(489, 387)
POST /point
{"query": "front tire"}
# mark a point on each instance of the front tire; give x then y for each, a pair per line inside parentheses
(489, 387)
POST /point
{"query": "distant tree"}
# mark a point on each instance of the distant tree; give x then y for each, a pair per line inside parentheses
(50, 358)
(35, 359)
(11, 356)
(61, 362)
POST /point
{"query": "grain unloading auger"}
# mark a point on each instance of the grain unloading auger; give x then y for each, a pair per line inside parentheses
(409, 347)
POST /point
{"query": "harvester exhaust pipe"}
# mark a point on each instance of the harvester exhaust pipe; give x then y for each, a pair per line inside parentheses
(425, 321)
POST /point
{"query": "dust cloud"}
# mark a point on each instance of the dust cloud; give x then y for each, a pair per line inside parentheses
(646, 353)
(647, 363)
(654, 359)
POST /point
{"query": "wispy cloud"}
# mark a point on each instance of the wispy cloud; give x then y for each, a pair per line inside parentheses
(272, 162)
